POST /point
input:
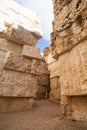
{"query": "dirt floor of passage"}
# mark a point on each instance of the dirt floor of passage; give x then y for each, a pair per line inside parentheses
(45, 115)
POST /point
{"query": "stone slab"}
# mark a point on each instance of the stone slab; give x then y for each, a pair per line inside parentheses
(39, 67)
(16, 84)
(6, 45)
(32, 52)
(55, 95)
(20, 35)
(79, 108)
(2, 56)
(17, 63)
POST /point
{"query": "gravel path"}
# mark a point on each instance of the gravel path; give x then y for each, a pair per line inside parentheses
(45, 115)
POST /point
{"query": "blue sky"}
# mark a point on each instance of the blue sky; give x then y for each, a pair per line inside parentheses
(45, 10)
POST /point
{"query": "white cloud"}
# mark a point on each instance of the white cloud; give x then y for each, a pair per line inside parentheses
(45, 9)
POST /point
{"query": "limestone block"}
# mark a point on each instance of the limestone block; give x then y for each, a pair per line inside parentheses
(55, 92)
(43, 80)
(16, 84)
(2, 56)
(79, 108)
(66, 106)
(39, 67)
(12, 12)
(32, 52)
(73, 72)
(54, 69)
(10, 104)
(54, 73)
(49, 59)
(20, 35)
(55, 95)
(6, 45)
(55, 83)
(17, 62)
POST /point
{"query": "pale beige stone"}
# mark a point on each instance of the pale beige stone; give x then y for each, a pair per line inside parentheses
(16, 84)
(17, 63)
(54, 95)
(2, 56)
(6, 45)
(55, 89)
(49, 59)
(33, 52)
(39, 67)
(69, 49)
(12, 12)
(79, 108)
(20, 35)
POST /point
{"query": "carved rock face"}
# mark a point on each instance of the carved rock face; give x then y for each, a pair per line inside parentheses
(23, 71)
(68, 51)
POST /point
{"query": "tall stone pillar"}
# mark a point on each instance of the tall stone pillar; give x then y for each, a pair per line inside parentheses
(23, 72)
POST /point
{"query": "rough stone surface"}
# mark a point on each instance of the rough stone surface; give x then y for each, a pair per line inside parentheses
(39, 67)
(20, 35)
(6, 46)
(31, 52)
(69, 49)
(79, 107)
(11, 12)
(2, 56)
(55, 89)
(17, 84)
(21, 64)
(17, 63)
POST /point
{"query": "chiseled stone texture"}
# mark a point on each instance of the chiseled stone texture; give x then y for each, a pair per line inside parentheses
(23, 71)
(12, 12)
(39, 67)
(10, 104)
(16, 84)
(17, 62)
(79, 108)
(69, 49)
(73, 72)
(6, 46)
(55, 89)
(20, 35)
(2, 56)
(30, 51)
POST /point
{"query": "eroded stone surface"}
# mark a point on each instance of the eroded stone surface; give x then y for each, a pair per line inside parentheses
(39, 67)
(17, 62)
(20, 35)
(31, 52)
(69, 49)
(16, 84)
(6, 46)
(21, 64)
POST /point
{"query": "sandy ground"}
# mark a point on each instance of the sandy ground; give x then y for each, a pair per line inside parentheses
(45, 115)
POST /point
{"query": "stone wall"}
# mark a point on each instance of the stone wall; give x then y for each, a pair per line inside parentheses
(69, 49)
(23, 72)
(55, 88)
